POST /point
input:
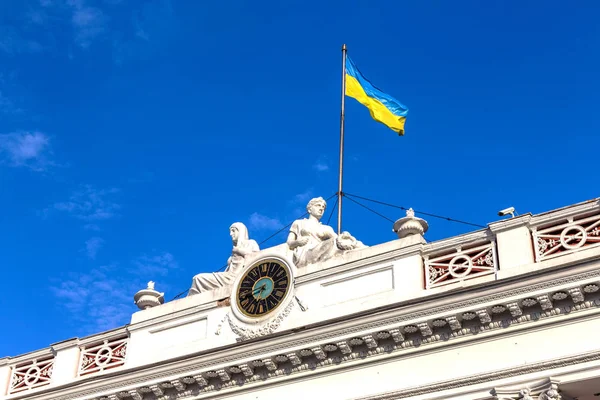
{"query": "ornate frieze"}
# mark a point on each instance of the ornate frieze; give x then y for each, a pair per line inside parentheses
(294, 358)
(566, 236)
(453, 322)
(157, 390)
(31, 375)
(576, 295)
(200, 380)
(396, 335)
(546, 389)
(545, 302)
(425, 329)
(484, 316)
(460, 265)
(106, 355)
(319, 353)
(246, 331)
(370, 341)
(136, 395)
(515, 309)
(344, 347)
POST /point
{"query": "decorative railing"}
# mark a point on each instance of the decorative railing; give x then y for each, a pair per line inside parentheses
(460, 265)
(566, 237)
(31, 375)
(103, 356)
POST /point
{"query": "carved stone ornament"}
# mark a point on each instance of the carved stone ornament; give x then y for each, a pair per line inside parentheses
(247, 324)
(147, 298)
(546, 389)
(410, 225)
(245, 331)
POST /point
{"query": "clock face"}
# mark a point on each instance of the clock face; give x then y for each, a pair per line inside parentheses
(263, 287)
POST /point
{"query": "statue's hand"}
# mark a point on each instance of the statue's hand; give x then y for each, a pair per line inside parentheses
(238, 251)
(302, 240)
(324, 235)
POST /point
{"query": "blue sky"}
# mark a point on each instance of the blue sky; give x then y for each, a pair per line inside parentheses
(133, 133)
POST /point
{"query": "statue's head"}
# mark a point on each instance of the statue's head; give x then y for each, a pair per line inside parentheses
(316, 207)
(238, 231)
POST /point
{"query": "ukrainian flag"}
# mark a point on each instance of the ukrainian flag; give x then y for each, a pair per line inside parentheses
(383, 107)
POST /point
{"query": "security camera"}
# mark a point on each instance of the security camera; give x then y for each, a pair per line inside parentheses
(507, 211)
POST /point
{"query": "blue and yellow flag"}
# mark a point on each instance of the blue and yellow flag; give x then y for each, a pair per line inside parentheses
(383, 107)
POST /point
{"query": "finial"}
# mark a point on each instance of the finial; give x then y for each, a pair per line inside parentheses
(410, 225)
(148, 298)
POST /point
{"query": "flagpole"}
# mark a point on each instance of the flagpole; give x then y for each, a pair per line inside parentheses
(340, 193)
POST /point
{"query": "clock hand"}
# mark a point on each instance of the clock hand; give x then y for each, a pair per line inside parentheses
(260, 289)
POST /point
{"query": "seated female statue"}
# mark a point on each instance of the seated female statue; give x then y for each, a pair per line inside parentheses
(242, 246)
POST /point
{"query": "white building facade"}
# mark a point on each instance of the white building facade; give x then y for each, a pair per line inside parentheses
(507, 312)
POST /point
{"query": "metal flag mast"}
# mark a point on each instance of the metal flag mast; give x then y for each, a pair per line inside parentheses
(340, 193)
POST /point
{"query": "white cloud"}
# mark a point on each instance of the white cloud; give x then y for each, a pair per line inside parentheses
(159, 264)
(7, 106)
(29, 149)
(102, 298)
(321, 166)
(262, 222)
(96, 301)
(90, 204)
(88, 22)
(92, 246)
(13, 42)
(152, 28)
(303, 198)
(91, 227)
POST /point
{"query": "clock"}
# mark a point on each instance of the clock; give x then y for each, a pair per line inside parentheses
(263, 294)
(263, 287)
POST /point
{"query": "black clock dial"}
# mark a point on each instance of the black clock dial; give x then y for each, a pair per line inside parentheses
(263, 287)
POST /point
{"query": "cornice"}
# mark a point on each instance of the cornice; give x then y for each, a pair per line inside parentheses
(42, 353)
(566, 212)
(511, 223)
(360, 263)
(108, 335)
(177, 315)
(65, 344)
(342, 331)
(467, 239)
(487, 377)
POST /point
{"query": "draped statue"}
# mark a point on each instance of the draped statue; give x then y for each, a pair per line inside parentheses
(313, 242)
(242, 246)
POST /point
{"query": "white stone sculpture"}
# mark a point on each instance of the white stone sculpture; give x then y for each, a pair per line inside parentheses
(242, 246)
(313, 242)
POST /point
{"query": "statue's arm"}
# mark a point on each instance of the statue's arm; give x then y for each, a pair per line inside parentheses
(327, 233)
(293, 241)
(250, 247)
